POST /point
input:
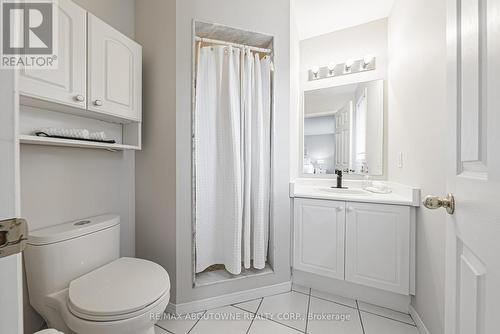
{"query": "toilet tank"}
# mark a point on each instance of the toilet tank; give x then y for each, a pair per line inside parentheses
(56, 255)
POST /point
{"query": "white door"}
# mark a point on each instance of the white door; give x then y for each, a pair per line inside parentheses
(68, 83)
(343, 140)
(114, 71)
(473, 231)
(377, 250)
(11, 301)
(319, 237)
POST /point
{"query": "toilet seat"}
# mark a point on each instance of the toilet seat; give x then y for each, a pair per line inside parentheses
(122, 289)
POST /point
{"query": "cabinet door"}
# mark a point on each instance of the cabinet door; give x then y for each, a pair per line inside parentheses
(68, 83)
(319, 237)
(378, 246)
(115, 73)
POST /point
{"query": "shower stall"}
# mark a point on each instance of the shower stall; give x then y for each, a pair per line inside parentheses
(232, 137)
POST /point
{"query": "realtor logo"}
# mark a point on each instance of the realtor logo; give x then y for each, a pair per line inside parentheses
(28, 34)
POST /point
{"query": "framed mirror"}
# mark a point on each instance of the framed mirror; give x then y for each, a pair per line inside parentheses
(343, 128)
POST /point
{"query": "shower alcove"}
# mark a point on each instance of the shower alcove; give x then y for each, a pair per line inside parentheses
(207, 174)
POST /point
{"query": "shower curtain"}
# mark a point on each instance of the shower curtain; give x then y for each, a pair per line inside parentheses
(232, 158)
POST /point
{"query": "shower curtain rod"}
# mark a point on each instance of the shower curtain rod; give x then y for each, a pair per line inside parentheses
(241, 46)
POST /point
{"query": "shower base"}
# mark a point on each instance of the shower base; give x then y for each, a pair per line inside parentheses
(217, 274)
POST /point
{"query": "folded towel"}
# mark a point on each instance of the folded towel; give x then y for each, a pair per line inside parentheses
(69, 133)
(97, 136)
(72, 133)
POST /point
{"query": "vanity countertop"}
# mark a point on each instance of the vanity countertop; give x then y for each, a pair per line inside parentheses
(321, 189)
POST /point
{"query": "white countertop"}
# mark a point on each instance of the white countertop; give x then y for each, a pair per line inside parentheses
(319, 189)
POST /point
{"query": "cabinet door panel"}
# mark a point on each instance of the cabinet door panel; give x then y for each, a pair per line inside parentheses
(114, 71)
(319, 237)
(378, 245)
(64, 84)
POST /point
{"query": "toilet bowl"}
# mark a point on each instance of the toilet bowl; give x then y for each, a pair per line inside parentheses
(77, 282)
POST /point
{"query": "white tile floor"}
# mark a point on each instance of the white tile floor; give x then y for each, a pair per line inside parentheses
(301, 310)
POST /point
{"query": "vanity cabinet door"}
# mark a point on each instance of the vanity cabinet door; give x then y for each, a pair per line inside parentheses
(319, 237)
(115, 71)
(67, 84)
(378, 246)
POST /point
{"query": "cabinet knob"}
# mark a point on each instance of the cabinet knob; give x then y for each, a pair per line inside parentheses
(79, 98)
(98, 103)
(349, 209)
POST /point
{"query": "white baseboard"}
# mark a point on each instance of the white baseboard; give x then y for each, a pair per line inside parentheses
(232, 298)
(418, 321)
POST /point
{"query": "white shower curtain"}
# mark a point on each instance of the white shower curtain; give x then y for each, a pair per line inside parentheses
(232, 152)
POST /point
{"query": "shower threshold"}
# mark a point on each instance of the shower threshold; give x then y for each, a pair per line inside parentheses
(221, 276)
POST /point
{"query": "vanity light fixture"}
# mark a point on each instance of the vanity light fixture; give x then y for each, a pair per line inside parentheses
(351, 66)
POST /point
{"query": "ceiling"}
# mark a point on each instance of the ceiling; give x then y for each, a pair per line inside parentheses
(317, 17)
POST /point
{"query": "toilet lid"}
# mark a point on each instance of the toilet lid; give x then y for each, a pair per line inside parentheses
(123, 286)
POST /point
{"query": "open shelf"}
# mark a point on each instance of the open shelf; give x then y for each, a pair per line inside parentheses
(34, 140)
(32, 119)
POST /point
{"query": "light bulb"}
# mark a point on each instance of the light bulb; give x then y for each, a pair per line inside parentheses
(348, 64)
(331, 69)
(367, 60)
(315, 69)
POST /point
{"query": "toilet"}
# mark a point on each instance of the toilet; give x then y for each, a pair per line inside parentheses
(80, 285)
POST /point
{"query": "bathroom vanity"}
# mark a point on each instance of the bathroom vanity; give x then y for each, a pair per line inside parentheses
(354, 236)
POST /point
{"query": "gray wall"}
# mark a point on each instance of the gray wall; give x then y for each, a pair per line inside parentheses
(61, 184)
(117, 13)
(164, 166)
(155, 164)
(417, 103)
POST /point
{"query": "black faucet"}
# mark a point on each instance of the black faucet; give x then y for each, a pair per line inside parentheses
(339, 178)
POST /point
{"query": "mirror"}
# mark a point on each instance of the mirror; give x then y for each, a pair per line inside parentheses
(344, 129)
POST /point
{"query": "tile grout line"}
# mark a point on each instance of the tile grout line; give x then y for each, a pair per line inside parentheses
(285, 325)
(386, 308)
(308, 307)
(255, 315)
(246, 301)
(276, 322)
(166, 330)
(197, 321)
(389, 318)
(331, 301)
(360, 318)
(307, 294)
(242, 309)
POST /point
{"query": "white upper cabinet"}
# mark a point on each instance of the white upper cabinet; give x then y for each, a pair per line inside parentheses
(319, 237)
(66, 84)
(378, 246)
(114, 71)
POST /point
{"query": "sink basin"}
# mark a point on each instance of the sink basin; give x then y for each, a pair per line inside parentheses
(344, 191)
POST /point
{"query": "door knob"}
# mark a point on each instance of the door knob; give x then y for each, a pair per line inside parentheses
(13, 236)
(435, 202)
(98, 103)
